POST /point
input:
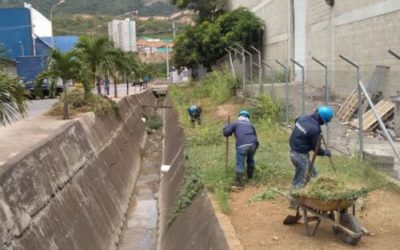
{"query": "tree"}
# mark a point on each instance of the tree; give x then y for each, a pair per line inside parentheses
(64, 66)
(208, 10)
(205, 43)
(94, 52)
(12, 99)
(52, 83)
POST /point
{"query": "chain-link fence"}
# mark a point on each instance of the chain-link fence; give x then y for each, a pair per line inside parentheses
(351, 91)
(301, 92)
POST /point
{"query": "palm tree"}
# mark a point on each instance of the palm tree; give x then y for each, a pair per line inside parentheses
(119, 64)
(94, 51)
(64, 66)
(52, 82)
(12, 99)
(132, 65)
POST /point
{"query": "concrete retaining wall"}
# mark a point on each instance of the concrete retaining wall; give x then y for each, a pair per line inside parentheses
(198, 226)
(71, 189)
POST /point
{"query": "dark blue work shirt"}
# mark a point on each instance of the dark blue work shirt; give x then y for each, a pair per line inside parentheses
(244, 132)
(305, 134)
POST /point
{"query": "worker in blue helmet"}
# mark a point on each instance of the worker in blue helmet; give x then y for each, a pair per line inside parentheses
(246, 145)
(195, 114)
(304, 139)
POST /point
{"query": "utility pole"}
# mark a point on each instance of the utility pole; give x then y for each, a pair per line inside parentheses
(173, 28)
(167, 56)
(51, 20)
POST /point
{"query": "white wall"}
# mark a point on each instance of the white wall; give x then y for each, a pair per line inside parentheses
(41, 25)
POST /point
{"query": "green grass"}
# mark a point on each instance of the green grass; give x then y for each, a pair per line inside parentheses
(205, 150)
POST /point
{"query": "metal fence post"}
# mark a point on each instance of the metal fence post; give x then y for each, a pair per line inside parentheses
(326, 91)
(231, 62)
(243, 65)
(260, 69)
(272, 83)
(303, 86)
(286, 91)
(251, 61)
(326, 79)
(360, 109)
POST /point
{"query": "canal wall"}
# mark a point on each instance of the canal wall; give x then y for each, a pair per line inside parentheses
(200, 225)
(70, 184)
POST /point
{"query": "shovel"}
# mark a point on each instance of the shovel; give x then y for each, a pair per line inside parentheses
(292, 219)
(330, 158)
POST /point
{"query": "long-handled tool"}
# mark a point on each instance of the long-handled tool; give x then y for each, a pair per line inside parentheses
(330, 158)
(316, 149)
(227, 147)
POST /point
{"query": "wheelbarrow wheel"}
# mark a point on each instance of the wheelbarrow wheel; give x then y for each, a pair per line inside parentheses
(331, 215)
(349, 221)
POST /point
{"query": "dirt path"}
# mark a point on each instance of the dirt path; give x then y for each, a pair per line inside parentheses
(259, 225)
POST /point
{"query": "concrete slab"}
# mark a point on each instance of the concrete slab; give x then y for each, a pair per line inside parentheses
(24, 135)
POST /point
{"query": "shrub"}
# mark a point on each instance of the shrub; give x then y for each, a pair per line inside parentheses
(153, 120)
(220, 86)
(266, 109)
(100, 105)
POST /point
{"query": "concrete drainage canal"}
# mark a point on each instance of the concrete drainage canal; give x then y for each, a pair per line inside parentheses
(156, 194)
(140, 229)
(94, 183)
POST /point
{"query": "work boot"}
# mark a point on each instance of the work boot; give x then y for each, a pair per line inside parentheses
(250, 171)
(238, 183)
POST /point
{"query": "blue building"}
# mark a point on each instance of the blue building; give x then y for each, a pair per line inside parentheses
(16, 32)
(27, 37)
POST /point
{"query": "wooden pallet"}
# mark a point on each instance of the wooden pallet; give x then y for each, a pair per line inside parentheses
(384, 108)
(349, 107)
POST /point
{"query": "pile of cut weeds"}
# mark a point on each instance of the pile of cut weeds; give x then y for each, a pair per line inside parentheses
(328, 189)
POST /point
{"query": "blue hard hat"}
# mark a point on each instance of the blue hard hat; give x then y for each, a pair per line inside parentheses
(192, 108)
(326, 113)
(244, 113)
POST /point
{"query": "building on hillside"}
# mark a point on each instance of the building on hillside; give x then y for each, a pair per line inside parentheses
(361, 30)
(154, 50)
(123, 34)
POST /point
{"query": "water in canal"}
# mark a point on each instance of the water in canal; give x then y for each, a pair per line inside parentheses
(140, 231)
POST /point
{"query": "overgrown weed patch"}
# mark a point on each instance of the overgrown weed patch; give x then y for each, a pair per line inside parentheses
(205, 151)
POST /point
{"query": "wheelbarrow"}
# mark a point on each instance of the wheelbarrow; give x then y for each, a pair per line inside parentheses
(334, 212)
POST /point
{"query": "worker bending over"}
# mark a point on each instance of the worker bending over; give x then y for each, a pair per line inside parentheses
(246, 145)
(304, 138)
(195, 114)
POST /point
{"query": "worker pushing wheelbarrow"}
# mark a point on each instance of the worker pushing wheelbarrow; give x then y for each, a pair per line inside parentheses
(306, 136)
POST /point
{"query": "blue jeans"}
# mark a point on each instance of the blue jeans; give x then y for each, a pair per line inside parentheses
(245, 153)
(301, 163)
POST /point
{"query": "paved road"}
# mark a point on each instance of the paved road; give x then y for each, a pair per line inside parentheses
(37, 107)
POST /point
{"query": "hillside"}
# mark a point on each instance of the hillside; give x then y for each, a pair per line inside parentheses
(85, 24)
(116, 7)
